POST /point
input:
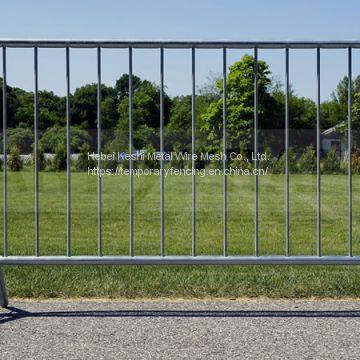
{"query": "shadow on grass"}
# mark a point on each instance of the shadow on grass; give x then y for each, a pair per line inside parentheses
(17, 314)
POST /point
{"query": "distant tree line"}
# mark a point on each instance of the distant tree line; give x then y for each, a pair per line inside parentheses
(178, 115)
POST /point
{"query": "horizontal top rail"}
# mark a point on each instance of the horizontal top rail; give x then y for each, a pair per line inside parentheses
(177, 44)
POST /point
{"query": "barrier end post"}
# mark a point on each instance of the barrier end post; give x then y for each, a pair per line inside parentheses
(3, 294)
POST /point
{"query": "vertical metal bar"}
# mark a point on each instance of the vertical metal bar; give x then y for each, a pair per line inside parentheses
(318, 146)
(68, 156)
(99, 151)
(256, 179)
(5, 211)
(225, 241)
(350, 150)
(131, 147)
(193, 164)
(287, 195)
(36, 135)
(162, 152)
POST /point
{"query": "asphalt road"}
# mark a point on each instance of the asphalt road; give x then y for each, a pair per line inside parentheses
(244, 329)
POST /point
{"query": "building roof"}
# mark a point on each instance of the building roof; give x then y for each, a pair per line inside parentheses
(336, 130)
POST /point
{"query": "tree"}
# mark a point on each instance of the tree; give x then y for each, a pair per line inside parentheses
(332, 113)
(83, 162)
(20, 106)
(14, 162)
(341, 93)
(59, 163)
(279, 166)
(181, 111)
(40, 157)
(356, 111)
(335, 111)
(52, 109)
(307, 161)
(22, 137)
(146, 112)
(55, 135)
(122, 86)
(331, 163)
(302, 111)
(84, 106)
(240, 103)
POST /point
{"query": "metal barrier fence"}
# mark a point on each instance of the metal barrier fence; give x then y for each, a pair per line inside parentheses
(288, 258)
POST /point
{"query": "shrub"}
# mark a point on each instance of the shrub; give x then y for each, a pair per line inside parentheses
(307, 161)
(56, 135)
(176, 161)
(216, 164)
(22, 137)
(200, 162)
(356, 162)
(331, 164)
(59, 163)
(14, 162)
(149, 163)
(270, 161)
(241, 161)
(279, 166)
(84, 162)
(41, 158)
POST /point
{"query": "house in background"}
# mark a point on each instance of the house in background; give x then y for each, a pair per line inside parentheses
(334, 138)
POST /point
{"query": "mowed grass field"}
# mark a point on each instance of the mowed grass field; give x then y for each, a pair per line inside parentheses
(181, 281)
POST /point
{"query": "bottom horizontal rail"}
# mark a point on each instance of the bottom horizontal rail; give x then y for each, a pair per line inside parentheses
(180, 260)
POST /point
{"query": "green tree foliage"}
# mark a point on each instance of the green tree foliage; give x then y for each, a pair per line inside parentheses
(149, 163)
(242, 160)
(331, 163)
(14, 161)
(146, 113)
(41, 158)
(307, 161)
(122, 86)
(332, 113)
(21, 137)
(270, 160)
(240, 102)
(146, 108)
(177, 162)
(356, 162)
(178, 130)
(181, 111)
(52, 110)
(302, 111)
(177, 114)
(59, 163)
(20, 107)
(356, 113)
(84, 162)
(335, 111)
(84, 107)
(180, 116)
(55, 135)
(279, 166)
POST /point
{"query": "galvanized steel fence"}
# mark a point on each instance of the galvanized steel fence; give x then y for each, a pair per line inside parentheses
(130, 259)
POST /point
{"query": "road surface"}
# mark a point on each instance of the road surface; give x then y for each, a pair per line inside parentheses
(179, 329)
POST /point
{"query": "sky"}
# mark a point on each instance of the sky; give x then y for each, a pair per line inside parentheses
(178, 20)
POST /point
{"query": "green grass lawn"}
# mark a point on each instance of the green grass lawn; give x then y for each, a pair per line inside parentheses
(186, 281)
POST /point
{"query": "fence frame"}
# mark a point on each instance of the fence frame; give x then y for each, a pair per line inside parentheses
(164, 259)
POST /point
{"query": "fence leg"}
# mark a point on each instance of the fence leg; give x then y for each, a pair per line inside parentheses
(3, 294)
